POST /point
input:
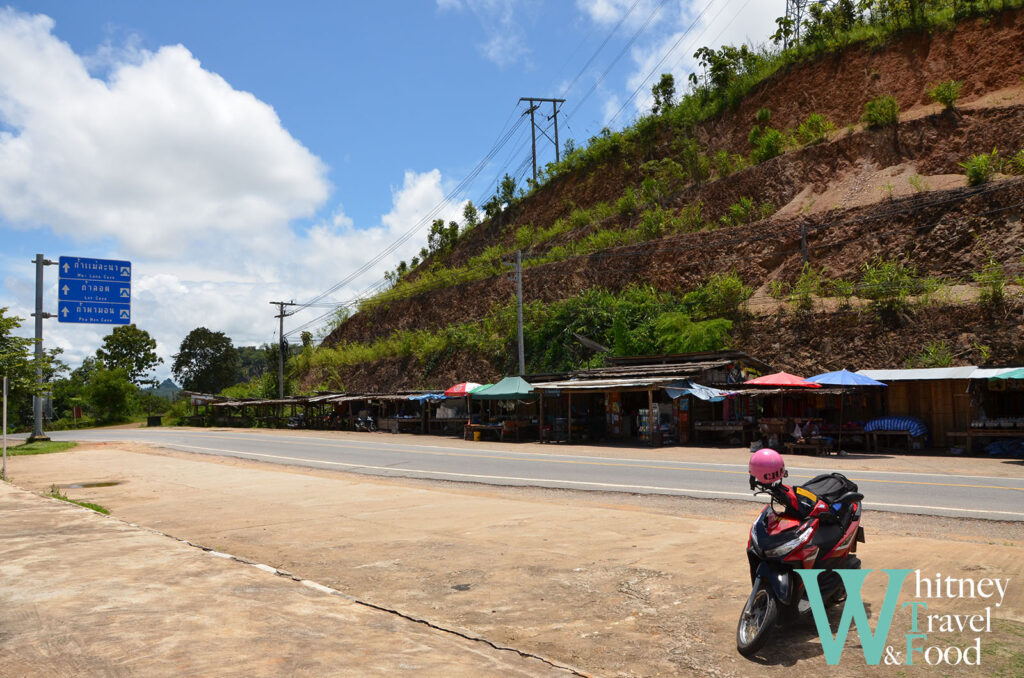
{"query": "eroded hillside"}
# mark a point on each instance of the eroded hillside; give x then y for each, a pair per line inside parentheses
(895, 192)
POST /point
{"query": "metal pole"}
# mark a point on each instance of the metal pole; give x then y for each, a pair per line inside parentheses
(554, 114)
(533, 134)
(519, 309)
(280, 353)
(281, 315)
(37, 400)
(4, 474)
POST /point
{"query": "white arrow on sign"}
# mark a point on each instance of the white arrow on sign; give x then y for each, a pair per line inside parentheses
(66, 289)
(125, 292)
(64, 311)
(124, 313)
(66, 267)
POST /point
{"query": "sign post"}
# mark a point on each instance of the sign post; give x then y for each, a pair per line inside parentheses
(4, 476)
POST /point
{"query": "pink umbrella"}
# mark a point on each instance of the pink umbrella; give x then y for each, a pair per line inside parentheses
(782, 379)
(463, 389)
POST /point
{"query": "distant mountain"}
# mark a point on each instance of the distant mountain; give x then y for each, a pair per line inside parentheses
(167, 389)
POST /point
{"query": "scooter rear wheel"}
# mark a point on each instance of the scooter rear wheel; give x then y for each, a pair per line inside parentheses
(756, 620)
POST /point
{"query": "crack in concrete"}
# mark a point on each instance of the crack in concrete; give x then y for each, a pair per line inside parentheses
(365, 603)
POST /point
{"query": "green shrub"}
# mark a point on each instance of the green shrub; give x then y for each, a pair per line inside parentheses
(918, 184)
(980, 167)
(946, 93)
(762, 116)
(992, 279)
(726, 163)
(935, 354)
(690, 218)
(882, 111)
(653, 223)
(814, 130)
(718, 296)
(1015, 164)
(842, 290)
(767, 144)
(628, 203)
(806, 286)
(889, 284)
(778, 289)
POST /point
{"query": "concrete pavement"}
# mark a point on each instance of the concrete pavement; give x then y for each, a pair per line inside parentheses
(87, 595)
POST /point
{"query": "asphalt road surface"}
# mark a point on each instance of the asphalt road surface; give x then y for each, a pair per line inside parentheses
(974, 496)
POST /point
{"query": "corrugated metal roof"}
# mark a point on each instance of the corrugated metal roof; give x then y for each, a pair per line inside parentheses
(989, 372)
(922, 374)
(600, 384)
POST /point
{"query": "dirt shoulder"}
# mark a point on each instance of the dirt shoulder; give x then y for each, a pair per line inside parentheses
(613, 584)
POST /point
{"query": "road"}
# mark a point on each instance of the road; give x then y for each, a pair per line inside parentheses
(975, 496)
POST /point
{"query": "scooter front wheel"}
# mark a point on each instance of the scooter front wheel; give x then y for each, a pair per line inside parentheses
(757, 619)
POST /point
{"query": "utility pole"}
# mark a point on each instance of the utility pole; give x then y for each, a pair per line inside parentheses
(281, 315)
(518, 264)
(534, 105)
(37, 400)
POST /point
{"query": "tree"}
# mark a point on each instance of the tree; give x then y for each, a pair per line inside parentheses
(17, 364)
(206, 362)
(664, 94)
(470, 216)
(132, 350)
(110, 394)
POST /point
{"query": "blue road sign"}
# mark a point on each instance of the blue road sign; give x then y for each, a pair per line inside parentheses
(107, 270)
(94, 312)
(94, 290)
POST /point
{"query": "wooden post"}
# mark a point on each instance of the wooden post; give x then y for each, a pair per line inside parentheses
(540, 417)
(650, 417)
(569, 420)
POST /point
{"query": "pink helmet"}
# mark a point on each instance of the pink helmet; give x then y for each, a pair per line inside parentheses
(767, 467)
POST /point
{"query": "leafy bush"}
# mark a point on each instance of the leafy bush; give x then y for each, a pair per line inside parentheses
(778, 289)
(1015, 164)
(935, 354)
(814, 130)
(806, 286)
(842, 290)
(992, 279)
(676, 333)
(767, 144)
(628, 203)
(718, 296)
(918, 184)
(980, 167)
(889, 284)
(726, 163)
(946, 93)
(882, 111)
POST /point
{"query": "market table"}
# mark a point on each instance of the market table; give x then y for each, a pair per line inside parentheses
(482, 428)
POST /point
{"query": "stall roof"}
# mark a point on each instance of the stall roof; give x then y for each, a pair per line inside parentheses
(922, 374)
(605, 384)
(989, 372)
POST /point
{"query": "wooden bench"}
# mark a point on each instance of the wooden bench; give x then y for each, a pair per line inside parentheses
(874, 435)
(816, 448)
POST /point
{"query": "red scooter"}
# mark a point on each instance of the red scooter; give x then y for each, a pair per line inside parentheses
(813, 526)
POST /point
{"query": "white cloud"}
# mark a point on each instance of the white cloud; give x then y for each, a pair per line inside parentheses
(161, 154)
(722, 23)
(198, 184)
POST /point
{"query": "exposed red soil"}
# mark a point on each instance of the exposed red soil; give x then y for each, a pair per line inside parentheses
(852, 195)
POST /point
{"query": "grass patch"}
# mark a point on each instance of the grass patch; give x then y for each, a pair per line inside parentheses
(57, 494)
(39, 447)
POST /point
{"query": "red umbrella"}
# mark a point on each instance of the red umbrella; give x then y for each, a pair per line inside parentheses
(782, 379)
(463, 389)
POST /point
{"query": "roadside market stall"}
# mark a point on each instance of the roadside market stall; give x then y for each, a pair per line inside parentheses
(855, 383)
(516, 403)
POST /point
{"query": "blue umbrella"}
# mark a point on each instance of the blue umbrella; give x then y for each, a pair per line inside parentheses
(844, 378)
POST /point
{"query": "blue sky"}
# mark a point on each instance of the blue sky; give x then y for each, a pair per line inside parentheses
(244, 152)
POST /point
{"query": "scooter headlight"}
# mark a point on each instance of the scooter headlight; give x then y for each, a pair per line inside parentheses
(791, 545)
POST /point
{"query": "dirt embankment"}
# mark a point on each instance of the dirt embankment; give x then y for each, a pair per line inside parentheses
(986, 54)
(897, 191)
